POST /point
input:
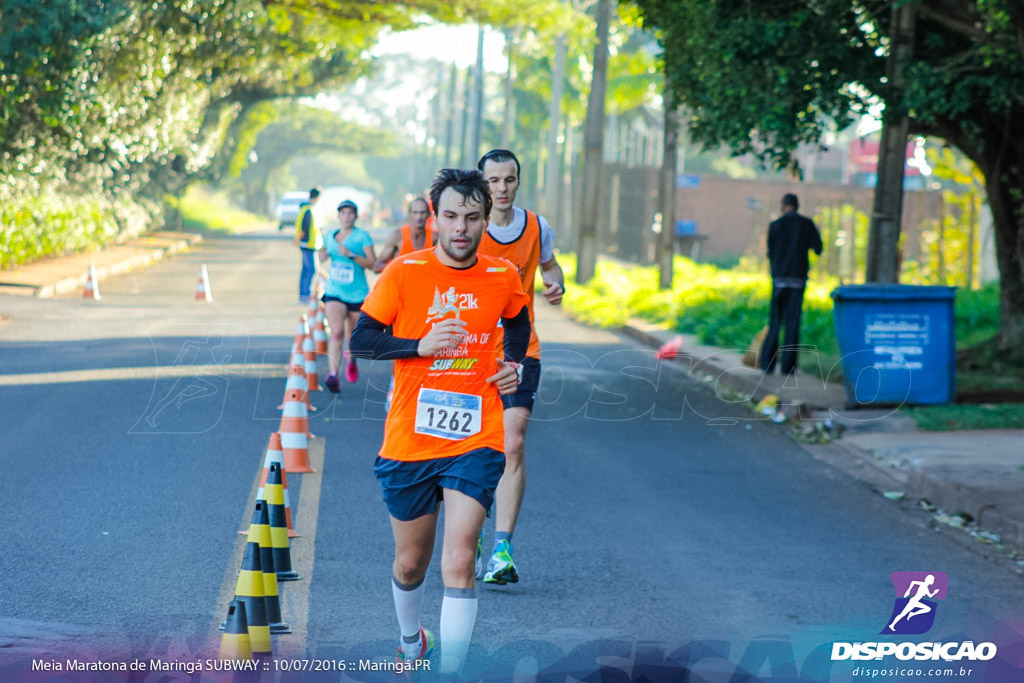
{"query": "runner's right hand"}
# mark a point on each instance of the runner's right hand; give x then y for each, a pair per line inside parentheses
(446, 334)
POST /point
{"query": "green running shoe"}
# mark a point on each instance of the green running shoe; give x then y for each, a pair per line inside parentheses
(500, 568)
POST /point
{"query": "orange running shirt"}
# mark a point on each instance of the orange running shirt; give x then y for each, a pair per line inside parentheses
(443, 405)
(407, 246)
(524, 253)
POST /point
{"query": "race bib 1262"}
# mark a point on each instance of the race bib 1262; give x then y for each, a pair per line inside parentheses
(448, 415)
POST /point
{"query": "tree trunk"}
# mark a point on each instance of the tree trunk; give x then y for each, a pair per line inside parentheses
(508, 119)
(478, 101)
(551, 184)
(666, 240)
(1003, 181)
(593, 161)
(884, 236)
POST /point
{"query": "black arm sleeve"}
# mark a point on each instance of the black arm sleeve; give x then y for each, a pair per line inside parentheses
(516, 341)
(371, 340)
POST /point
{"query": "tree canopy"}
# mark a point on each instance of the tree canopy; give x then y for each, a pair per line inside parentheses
(764, 77)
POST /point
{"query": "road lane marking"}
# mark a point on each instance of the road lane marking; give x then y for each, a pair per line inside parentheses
(255, 370)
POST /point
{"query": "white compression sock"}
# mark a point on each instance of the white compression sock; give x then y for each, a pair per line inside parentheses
(408, 600)
(458, 616)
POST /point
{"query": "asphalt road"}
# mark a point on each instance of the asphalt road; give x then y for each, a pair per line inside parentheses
(662, 526)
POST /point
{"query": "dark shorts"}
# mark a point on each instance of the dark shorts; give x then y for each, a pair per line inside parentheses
(527, 391)
(413, 489)
(352, 308)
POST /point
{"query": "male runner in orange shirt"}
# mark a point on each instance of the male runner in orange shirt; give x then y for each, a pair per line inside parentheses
(408, 238)
(525, 239)
(444, 435)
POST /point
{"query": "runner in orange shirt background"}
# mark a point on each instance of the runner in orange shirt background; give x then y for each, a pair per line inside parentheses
(408, 238)
(444, 435)
(525, 239)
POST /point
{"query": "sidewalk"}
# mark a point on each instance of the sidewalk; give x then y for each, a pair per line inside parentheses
(62, 275)
(978, 472)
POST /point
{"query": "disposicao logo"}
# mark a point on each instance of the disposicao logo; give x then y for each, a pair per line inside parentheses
(913, 613)
(914, 610)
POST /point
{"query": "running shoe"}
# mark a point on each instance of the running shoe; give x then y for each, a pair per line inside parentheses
(333, 385)
(426, 647)
(351, 371)
(480, 556)
(500, 568)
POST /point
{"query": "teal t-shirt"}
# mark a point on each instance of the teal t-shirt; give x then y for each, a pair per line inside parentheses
(346, 279)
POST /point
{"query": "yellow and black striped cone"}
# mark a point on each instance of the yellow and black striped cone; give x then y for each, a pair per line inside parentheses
(259, 531)
(249, 589)
(273, 493)
(234, 644)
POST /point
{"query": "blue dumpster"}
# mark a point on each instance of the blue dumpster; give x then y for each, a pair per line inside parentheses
(896, 343)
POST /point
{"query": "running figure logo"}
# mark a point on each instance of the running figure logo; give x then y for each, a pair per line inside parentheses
(914, 610)
(450, 302)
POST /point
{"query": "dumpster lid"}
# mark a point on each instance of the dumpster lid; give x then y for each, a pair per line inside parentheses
(894, 292)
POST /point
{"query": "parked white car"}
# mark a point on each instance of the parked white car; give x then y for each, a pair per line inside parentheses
(287, 209)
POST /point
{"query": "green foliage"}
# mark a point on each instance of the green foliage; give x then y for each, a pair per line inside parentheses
(39, 225)
(103, 104)
(728, 307)
(205, 209)
(763, 78)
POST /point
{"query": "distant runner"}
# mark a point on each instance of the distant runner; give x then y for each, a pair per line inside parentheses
(350, 250)
(408, 238)
(443, 438)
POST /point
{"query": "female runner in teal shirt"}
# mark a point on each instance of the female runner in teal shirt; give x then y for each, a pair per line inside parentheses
(350, 251)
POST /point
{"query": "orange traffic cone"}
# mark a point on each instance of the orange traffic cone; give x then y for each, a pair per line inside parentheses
(203, 291)
(274, 492)
(249, 589)
(295, 417)
(234, 644)
(670, 349)
(320, 334)
(276, 454)
(309, 355)
(301, 330)
(297, 380)
(92, 285)
(295, 433)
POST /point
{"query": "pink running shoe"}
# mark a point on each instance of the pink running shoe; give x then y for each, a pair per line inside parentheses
(351, 371)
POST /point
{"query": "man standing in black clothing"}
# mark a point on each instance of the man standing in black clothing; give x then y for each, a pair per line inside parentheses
(790, 237)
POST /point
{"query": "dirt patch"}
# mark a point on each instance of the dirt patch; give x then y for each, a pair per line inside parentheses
(990, 396)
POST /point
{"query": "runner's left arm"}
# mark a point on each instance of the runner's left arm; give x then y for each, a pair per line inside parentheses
(550, 271)
(516, 339)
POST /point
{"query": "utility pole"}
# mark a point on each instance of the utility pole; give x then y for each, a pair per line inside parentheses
(593, 159)
(884, 235)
